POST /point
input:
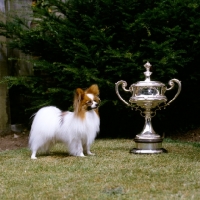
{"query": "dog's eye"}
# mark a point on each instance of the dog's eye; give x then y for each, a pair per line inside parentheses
(89, 102)
(97, 100)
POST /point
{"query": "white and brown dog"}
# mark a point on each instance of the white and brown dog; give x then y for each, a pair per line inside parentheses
(77, 130)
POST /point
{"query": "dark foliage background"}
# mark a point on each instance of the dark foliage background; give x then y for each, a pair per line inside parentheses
(76, 43)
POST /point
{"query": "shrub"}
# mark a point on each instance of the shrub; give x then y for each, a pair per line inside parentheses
(75, 43)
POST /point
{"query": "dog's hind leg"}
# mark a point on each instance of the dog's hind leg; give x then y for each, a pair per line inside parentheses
(33, 155)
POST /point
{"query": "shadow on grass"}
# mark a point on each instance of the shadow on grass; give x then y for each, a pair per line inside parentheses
(54, 154)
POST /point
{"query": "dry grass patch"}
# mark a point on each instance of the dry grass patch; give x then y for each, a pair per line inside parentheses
(112, 174)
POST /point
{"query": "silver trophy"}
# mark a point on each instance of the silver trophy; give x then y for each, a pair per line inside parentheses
(148, 97)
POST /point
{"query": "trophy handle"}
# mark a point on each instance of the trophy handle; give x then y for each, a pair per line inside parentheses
(171, 83)
(124, 84)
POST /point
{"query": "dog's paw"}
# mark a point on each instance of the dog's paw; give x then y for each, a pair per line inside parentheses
(90, 154)
(33, 157)
(78, 155)
(81, 155)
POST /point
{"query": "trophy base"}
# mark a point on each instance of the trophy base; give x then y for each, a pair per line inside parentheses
(148, 146)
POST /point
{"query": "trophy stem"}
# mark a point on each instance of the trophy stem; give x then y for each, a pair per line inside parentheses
(148, 131)
(148, 142)
(148, 128)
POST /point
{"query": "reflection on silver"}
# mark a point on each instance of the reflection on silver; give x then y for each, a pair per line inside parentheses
(148, 97)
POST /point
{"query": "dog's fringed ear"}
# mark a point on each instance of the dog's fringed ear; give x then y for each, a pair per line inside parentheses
(93, 89)
(79, 93)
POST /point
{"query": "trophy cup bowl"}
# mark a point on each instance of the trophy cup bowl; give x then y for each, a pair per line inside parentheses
(148, 97)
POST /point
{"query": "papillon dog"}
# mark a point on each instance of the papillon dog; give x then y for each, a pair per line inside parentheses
(77, 130)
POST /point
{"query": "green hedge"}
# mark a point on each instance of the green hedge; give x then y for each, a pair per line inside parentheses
(75, 43)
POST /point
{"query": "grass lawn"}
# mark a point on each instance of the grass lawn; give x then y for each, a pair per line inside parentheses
(113, 173)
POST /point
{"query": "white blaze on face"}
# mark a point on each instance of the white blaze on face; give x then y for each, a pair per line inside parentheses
(94, 104)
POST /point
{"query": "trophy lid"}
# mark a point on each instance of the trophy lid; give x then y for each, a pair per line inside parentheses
(147, 81)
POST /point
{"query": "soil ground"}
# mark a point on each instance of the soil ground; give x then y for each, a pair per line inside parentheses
(15, 140)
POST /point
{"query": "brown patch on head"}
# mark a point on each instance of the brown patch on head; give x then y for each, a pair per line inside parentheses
(82, 101)
(97, 99)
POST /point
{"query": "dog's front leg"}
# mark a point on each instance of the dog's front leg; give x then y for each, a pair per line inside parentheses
(75, 148)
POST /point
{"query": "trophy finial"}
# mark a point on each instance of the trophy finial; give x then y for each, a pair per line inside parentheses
(147, 73)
